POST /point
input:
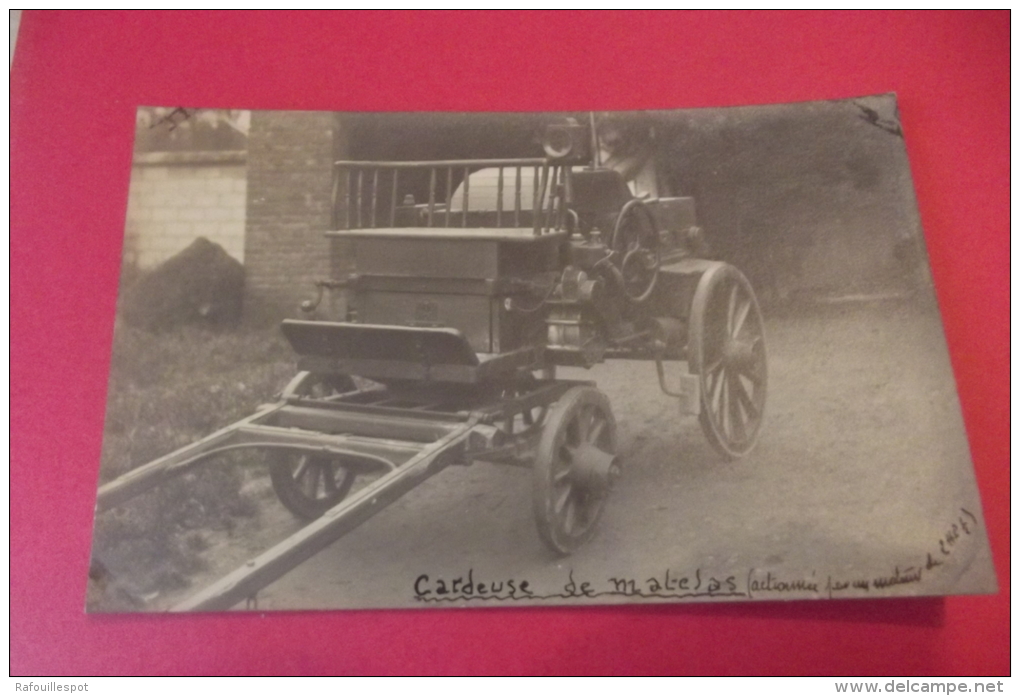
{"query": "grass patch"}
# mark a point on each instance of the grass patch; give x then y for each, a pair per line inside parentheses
(168, 390)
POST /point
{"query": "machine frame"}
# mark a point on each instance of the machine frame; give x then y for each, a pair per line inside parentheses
(440, 344)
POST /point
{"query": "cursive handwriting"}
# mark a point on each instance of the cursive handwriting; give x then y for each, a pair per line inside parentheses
(465, 587)
(669, 584)
(769, 584)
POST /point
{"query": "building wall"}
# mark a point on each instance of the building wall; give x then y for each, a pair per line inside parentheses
(806, 200)
(177, 197)
(290, 184)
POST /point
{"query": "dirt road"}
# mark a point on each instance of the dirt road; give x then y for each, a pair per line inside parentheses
(861, 485)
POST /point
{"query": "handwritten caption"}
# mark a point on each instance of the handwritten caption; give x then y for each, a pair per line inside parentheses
(668, 584)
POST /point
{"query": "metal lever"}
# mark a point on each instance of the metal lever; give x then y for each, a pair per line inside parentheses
(309, 306)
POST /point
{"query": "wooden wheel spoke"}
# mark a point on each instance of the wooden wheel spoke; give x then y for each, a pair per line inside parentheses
(713, 367)
(592, 423)
(752, 373)
(329, 478)
(569, 517)
(320, 481)
(302, 468)
(311, 479)
(723, 411)
(742, 313)
(308, 478)
(583, 425)
(717, 389)
(753, 412)
(730, 309)
(561, 500)
(737, 419)
(596, 431)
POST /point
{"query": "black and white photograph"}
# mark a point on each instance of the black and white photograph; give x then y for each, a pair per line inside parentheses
(428, 360)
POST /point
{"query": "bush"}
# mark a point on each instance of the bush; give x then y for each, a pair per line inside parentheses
(201, 285)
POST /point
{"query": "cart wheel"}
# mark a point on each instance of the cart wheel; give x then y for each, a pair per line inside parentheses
(575, 466)
(309, 484)
(727, 351)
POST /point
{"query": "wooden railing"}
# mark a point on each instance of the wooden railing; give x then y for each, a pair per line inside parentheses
(526, 193)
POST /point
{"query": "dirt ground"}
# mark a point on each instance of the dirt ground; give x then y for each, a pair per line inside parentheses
(860, 485)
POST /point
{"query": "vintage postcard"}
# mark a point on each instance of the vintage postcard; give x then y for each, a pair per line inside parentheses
(452, 360)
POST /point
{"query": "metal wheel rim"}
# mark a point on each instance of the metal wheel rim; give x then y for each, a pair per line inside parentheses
(567, 513)
(727, 351)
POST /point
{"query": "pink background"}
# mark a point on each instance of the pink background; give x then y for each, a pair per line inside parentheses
(75, 83)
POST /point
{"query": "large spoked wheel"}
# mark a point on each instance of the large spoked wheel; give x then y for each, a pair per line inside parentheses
(309, 484)
(727, 352)
(575, 466)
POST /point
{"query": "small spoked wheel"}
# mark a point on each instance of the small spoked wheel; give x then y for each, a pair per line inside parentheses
(575, 467)
(309, 484)
(727, 351)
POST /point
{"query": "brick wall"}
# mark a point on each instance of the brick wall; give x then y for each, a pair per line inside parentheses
(177, 197)
(290, 180)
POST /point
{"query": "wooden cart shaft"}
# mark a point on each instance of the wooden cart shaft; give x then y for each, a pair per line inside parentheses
(404, 445)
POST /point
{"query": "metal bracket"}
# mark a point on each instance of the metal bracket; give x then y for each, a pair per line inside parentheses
(689, 394)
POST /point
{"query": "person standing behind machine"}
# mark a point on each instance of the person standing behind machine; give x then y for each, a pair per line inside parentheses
(627, 145)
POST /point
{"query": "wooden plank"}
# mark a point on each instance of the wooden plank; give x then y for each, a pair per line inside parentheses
(173, 464)
(426, 164)
(497, 234)
(352, 422)
(397, 451)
